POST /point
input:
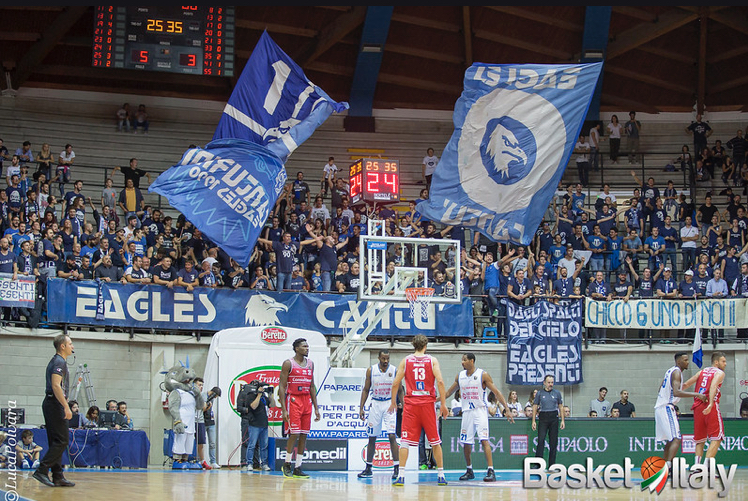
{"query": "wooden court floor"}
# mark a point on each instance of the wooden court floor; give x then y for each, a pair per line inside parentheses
(161, 485)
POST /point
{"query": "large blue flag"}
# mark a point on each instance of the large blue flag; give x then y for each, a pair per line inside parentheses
(515, 130)
(274, 104)
(226, 190)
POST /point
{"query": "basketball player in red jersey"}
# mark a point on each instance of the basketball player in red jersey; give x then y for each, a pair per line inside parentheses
(707, 420)
(422, 378)
(297, 396)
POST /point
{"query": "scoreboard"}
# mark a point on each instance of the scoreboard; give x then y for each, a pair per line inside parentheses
(195, 40)
(374, 180)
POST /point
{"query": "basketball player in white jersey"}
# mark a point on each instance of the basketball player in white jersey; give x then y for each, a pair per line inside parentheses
(666, 421)
(473, 383)
(378, 383)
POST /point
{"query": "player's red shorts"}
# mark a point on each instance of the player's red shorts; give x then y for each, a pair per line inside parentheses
(709, 426)
(417, 417)
(299, 414)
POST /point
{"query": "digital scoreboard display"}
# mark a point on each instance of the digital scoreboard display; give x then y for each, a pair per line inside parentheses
(374, 180)
(195, 40)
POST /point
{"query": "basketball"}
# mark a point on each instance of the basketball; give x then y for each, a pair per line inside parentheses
(652, 465)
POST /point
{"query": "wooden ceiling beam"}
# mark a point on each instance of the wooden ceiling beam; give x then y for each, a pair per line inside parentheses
(646, 79)
(732, 84)
(520, 44)
(733, 20)
(332, 34)
(639, 14)
(534, 15)
(668, 54)
(275, 28)
(20, 36)
(424, 54)
(728, 54)
(643, 33)
(627, 104)
(50, 38)
(467, 33)
(425, 23)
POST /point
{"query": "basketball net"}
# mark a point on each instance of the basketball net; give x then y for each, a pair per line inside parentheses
(419, 299)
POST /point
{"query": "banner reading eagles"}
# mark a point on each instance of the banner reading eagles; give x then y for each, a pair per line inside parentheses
(544, 339)
(213, 309)
(515, 129)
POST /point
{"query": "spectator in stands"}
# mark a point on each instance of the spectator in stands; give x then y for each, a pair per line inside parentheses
(599, 290)
(700, 132)
(625, 408)
(4, 153)
(64, 164)
(338, 193)
(701, 173)
(260, 281)
(738, 145)
(689, 235)
(329, 173)
(109, 273)
(671, 237)
(685, 159)
(132, 171)
(428, 166)
(86, 271)
(26, 262)
(654, 246)
(633, 129)
(717, 288)
(140, 119)
(123, 118)
(164, 273)
(69, 269)
(187, 276)
(206, 276)
(136, 274)
(285, 251)
(24, 153)
(44, 161)
(614, 133)
(729, 266)
(519, 287)
(597, 243)
(348, 282)
(131, 201)
(300, 191)
(298, 282)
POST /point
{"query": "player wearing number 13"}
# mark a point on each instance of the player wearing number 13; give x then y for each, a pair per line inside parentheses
(473, 383)
(422, 377)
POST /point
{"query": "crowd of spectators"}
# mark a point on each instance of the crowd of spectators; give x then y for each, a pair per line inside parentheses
(653, 242)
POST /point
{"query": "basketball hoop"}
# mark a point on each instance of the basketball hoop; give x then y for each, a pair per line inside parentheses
(419, 298)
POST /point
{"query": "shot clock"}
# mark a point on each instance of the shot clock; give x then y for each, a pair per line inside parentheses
(374, 180)
(179, 39)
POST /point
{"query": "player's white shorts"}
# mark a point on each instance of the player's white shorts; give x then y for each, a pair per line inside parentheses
(379, 419)
(666, 423)
(474, 421)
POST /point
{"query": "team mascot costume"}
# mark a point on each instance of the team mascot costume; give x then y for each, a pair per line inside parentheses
(184, 401)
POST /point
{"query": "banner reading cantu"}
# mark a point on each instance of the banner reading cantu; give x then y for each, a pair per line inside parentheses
(729, 313)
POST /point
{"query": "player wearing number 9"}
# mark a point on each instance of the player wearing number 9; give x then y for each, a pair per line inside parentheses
(422, 377)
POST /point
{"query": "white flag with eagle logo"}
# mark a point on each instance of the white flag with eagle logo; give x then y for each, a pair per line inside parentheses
(515, 129)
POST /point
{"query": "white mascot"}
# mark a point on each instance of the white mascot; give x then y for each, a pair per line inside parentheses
(184, 401)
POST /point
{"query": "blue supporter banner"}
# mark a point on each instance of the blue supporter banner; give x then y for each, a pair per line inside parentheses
(153, 306)
(273, 103)
(515, 129)
(20, 293)
(226, 190)
(725, 313)
(544, 339)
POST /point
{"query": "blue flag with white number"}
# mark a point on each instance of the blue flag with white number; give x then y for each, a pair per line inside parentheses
(515, 130)
(274, 104)
(226, 190)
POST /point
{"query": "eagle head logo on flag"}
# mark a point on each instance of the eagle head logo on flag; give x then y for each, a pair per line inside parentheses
(228, 189)
(515, 128)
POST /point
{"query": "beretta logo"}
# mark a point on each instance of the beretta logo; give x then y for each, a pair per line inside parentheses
(382, 454)
(268, 374)
(273, 335)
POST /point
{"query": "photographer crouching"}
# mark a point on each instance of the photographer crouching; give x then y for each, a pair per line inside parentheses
(252, 403)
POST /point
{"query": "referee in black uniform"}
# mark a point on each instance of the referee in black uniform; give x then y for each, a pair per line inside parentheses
(548, 405)
(56, 414)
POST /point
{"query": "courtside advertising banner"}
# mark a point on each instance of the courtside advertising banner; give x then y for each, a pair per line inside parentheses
(544, 339)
